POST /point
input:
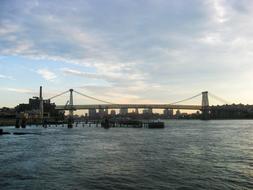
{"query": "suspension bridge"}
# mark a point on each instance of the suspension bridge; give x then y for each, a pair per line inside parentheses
(71, 107)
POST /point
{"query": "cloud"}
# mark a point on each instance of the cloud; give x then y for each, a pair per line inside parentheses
(46, 74)
(155, 50)
(79, 73)
(220, 11)
(6, 77)
(124, 80)
(8, 28)
(20, 90)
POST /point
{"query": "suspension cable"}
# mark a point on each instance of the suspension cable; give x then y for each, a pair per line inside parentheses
(90, 97)
(58, 95)
(185, 99)
(218, 98)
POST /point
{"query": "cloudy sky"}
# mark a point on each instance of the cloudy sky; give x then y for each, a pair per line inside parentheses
(155, 51)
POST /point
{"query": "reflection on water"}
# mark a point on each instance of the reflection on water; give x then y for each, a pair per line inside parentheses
(184, 155)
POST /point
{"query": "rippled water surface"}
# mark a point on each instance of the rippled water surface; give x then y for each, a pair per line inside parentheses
(184, 155)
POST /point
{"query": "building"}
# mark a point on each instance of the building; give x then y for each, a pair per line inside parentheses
(102, 112)
(9, 113)
(178, 113)
(33, 109)
(168, 113)
(92, 113)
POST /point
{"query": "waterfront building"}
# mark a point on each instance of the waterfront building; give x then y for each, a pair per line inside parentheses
(168, 113)
(92, 113)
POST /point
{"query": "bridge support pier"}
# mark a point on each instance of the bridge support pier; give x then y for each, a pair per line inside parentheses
(148, 111)
(123, 111)
(205, 114)
(17, 124)
(70, 122)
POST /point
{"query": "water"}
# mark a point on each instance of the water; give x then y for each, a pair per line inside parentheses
(184, 155)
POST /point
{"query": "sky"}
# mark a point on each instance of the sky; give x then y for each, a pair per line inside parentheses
(126, 51)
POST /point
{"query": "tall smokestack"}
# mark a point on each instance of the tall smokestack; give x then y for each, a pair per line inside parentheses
(41, 92)
(41, 104)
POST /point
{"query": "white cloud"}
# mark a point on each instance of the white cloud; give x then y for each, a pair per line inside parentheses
(20, 90)
(7, 28)
(46, 74)
(6, 77)
(79, 73)
(212, 39)
(169, 47)
(220, 11)
(20, 48)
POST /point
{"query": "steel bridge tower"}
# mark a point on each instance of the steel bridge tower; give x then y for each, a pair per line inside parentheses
(205, 106)
(71, 103)
(71, 109)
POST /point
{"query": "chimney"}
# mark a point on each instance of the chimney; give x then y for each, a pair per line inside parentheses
(41, 92)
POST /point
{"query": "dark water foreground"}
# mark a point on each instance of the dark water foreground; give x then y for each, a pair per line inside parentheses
(184, 155)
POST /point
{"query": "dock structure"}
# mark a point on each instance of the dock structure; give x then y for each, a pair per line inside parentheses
(133, 124)
(105, 123)
(3, 133)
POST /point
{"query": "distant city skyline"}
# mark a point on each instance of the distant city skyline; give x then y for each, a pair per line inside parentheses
(152, 51)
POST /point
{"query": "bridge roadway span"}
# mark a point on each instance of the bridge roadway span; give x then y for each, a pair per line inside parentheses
(128, 106)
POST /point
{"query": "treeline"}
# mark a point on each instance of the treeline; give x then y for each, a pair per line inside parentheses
(234, 111)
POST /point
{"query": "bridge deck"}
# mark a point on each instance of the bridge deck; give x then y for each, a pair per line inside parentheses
(128, 106)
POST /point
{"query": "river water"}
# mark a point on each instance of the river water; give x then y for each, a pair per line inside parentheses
(184, 155)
